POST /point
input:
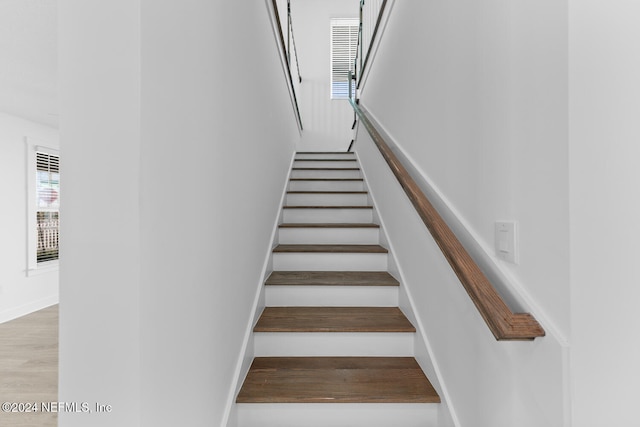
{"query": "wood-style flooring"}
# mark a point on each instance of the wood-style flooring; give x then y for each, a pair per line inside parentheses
(331, 278)
(333, 319)
(335, 249)
(29, 366)
(336, 379)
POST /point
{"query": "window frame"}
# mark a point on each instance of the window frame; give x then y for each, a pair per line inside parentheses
(354, 24)
(33, 266)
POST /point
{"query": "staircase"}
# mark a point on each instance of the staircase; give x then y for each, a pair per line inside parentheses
(332, 347)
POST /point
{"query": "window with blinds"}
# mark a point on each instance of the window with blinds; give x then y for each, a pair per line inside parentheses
(344, 43)
(47, 206)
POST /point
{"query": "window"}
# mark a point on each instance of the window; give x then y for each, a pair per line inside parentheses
(344, 43)
(43, 205)
(47, 206)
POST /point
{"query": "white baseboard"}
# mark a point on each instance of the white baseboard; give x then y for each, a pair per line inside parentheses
(23, 310)
(245, 357)
(423, 350)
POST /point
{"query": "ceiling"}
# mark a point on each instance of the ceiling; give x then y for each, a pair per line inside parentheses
(28, 60)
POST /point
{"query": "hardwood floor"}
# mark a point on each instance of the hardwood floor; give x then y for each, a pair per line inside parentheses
(336, 379)
(328, 225)
(333, 319)
(369, 249)
(29, 366)
(331, 278)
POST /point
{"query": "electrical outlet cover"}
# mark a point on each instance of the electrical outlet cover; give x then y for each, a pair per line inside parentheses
(506, 241)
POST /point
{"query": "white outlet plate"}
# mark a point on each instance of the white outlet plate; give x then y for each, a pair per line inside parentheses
(506, 241)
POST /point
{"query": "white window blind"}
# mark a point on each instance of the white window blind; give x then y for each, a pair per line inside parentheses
(47, 206)
(344, 43)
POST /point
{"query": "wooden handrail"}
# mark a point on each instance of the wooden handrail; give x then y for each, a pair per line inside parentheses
(503, 323)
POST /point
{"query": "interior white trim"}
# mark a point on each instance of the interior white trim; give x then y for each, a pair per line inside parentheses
(247, 351)
(376, 45)
(292, 93)
(23, 310)
(32, 267)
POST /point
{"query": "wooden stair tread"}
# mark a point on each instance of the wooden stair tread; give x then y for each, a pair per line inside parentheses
(371, 249)
(328, 225)
(324, 152)
(333, 319)
(327, 192)
(325, 169)
(327, 207)
(326, 160)
(326, 179)
(331, 278)
(336, 379)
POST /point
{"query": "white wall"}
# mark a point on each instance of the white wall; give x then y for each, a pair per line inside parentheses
(20, 294)
(153, 320)
(327, 123)
(226, 135)
(484, 381)
(29, 78)
(479, 107)
(100, 292)
(605, 206)
(482, 110)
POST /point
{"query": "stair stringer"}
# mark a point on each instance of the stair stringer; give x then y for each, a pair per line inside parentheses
(423, 352)
(247, 352)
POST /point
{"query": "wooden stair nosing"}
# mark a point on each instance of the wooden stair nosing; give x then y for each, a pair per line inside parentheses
(325, 169)
(331, 278)
(326, 207)
(325, 160)
(327, 192)
(325, 152)
(328, 225)
(337, 249)
(336, 380)
(333, 319)
(326, 179)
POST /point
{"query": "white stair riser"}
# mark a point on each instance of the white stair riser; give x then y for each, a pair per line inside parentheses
(327, 199)
(326, 174)
(327, 215)
(326, 156)
(363, 344)
(326, 185)
(324, 164)
(331, 296)
(328, 236)
(329, 261)
(337, 415)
